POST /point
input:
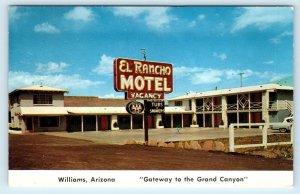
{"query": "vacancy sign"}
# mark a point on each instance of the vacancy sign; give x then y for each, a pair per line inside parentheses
(143, 79)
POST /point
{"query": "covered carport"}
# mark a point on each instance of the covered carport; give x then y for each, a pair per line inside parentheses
(94, 118)
(43, 119)
(177, 117)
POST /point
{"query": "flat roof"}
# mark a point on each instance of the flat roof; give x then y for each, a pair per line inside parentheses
(96, 110)
(39, 88)
(60, 111)
(93, 101)
(44, 111)
(232, 91)
(176, 110)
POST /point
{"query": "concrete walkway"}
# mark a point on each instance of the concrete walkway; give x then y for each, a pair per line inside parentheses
(168, 134)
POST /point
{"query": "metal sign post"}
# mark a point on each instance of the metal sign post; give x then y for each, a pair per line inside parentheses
(146, 122)
(143, 51)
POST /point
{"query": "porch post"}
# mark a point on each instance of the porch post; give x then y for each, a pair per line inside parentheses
(131, 123)
(224, 112)
(265, 106)
(237, 111)
(203, 120)
(81, 123)
(32, 121)
(96, 122)
(249, 105)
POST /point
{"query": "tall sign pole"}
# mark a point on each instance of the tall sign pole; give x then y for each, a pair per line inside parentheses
(143, 51)
(143, 80)
(146, 122)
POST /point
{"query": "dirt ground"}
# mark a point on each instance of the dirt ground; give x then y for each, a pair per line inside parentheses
(43, 152)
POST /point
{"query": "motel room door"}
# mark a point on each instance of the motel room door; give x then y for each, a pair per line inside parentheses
(73, 123)
(29, 123)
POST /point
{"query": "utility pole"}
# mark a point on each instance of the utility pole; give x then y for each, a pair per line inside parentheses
(143, 51)
(241, 77)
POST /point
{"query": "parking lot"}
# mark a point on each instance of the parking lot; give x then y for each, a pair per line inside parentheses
(166, 135)
(48, 152)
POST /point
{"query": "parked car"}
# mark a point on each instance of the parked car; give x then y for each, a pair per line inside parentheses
(285, 126)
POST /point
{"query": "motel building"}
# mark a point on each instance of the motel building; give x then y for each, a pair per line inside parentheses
(46, 109)
(253, 104)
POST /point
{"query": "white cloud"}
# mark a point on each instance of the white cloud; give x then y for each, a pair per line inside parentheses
(198, 19)
(268, 62)
(198, 75)
(221, 56)
(46, 28)
(15, 13)
(130, 11)
(208, 76)
(275, 40)
(112, 95)
(17, 79)
(156, 18)
(262, 17)
(81, 14)
(286, 33)
(184, 71)
(212, 76)
(201, 17)
(270, 76)
(51, 67)
(105, 66)
(192, 23)
(278, 38)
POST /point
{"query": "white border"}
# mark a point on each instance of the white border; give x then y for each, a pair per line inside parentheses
(149, 179)
(4, 98)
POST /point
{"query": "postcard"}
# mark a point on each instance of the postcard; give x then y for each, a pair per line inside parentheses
(151, 96)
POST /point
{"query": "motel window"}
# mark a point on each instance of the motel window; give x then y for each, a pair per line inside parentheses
(49, 121)
(178, 103)
(42, 98)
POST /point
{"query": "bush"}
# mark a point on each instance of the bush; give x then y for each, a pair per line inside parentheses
(160, 123)
(115, 125)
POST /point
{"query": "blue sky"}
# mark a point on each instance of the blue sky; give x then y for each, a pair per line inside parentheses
(73, 47)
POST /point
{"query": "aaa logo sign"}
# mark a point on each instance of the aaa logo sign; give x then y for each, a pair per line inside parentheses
(135, 108)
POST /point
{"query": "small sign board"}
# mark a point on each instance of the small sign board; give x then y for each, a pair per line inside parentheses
(143, 79)
(155, 106)
(141, 95)
(135, 107)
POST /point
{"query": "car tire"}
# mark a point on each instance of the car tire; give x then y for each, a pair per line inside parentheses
(283, 130)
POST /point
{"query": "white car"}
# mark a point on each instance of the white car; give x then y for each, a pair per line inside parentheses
(285, 126)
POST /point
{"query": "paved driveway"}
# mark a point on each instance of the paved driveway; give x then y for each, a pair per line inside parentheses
(168, 134)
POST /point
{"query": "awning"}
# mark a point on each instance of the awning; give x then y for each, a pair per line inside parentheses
(97, 110)
(177, 110)
(44, 111)
(59, 111)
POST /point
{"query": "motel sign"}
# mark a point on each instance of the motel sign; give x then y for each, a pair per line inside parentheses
(155, 106)
(143, 79)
